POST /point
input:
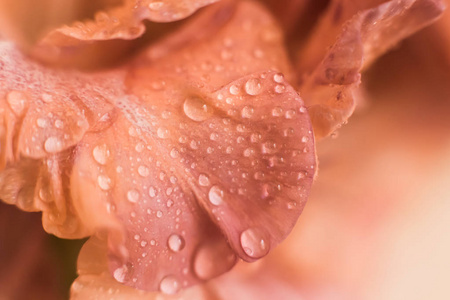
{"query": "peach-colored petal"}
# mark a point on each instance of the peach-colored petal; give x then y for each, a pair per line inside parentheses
(329, 91)
(184, 159)
(82, 44)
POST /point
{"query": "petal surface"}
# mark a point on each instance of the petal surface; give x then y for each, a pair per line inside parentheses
(330, 90)
(178, 163)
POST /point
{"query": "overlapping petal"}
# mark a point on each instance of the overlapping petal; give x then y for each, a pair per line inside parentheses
(330, 89)
(177, 162)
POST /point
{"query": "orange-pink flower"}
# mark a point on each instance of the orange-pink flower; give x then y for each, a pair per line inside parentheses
(184, 150)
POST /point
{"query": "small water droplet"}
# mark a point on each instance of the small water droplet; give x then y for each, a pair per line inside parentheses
(289, 114)
(42, 123)
(53, 145)
(203, 180)
(163, 133)
(101, 154)
(143, 171)
(269, 147)
(169, 285)
(247, 112)
(175, 243)
(152, 192)
(139, 147)
(277, 111)
(215, 195)
(253, 86)
(59, 124)
(254, 243)
(174, 153)
(104, 182)
(278, 78)
(196, 109)
(133, 196)
(234, 90)
(47, 98)
(279, 88)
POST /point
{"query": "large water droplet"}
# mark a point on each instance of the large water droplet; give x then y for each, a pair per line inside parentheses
(254, 242)
(215, 195)
(121, 273)
(133, 196)
(53, 145)
(253, 86)
(169, 285)
(196, 109)
(101, 154)
(234, 90)
(175, 242)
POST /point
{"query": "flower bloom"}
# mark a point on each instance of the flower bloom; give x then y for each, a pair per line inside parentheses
(195, 152)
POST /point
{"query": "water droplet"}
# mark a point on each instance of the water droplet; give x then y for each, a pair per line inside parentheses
(42, 123)
(169, 285)
(289, 114)
(269, 147)
(59, 124)
(143, 243)
(174, 153)
(305, 139)
(254, 243)
(133, 196)
(247, 112)
(121, 273)
(159, 214)
(253, 86)
(196, 109)
(279, 88)
(143, 171)
(163, 133)
(152, 192)
(215, 195)
(175, 243)
(234, 90)
(139, 147)
(277, 111)
(278, 78)
(104, 182)
(17, 102)
(53, 145)
(203, 180)
(101, 154)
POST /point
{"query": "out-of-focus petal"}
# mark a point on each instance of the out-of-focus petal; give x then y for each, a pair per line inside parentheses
(184, 160)
(70, 45)
(329, 91)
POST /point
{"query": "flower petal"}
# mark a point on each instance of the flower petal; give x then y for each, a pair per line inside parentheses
(184, 160)
(100, 41)
(329, 91)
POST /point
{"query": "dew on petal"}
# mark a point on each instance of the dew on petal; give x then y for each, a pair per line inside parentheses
(101, 154)
(53, 145)
(203, 180)
(133, 196)
(175, 243)
(104, 182)
(215, 195)
(169, 285)
(17, 102)
(254, 243)
(253, 86)
(196, 109)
